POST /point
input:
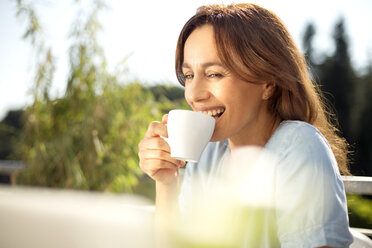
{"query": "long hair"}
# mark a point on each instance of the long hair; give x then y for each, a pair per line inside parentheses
(254, 44)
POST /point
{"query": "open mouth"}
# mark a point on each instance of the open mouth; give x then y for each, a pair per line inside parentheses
(215, 113)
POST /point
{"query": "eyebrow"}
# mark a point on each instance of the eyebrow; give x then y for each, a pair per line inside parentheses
(204, 65)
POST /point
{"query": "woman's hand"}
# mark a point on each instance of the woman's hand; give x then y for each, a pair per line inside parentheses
(154, 154)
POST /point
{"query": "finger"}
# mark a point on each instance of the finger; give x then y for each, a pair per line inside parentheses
(150, 166)
(156, 129)
(160, 155)
(154, 143)
(164, 120)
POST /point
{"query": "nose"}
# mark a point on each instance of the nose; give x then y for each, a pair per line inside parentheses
(197, 90)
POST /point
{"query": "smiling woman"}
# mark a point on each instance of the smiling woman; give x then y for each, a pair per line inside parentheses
(239, 64)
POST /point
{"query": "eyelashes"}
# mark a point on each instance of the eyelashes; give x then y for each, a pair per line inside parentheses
(190, 76)
(215, 75)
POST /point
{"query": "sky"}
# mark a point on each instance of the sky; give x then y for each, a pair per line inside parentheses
(146, 31)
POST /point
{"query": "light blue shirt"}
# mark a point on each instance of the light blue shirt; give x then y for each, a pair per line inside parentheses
(301, 187)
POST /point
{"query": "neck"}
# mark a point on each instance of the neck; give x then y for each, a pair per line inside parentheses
(257, 134)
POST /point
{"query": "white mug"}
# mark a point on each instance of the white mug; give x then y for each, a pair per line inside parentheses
(188, 133)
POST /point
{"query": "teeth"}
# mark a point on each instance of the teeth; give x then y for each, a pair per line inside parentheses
(213, 112)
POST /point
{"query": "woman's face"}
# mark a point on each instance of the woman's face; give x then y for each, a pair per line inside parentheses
(236, 105)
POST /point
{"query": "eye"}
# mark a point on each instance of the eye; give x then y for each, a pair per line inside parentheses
(215, 75)
(188, 76)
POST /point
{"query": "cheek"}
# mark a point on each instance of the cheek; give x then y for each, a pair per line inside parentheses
(187, 95)
(222, 93)
(232, 96)
(244, 100)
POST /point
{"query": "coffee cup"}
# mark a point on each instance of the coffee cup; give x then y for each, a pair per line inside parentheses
(188, 133)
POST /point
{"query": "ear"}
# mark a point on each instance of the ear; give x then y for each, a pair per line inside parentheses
(269, 89)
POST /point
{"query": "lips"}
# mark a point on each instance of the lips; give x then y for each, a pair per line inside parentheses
(215, 113)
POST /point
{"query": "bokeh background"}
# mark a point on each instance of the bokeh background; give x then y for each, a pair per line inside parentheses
(81, 80)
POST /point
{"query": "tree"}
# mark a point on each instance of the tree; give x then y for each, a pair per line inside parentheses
(364, 142)
(307, 43)
(338, 78)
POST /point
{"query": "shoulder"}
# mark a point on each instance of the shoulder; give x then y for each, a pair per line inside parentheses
(297, 142)
(306, 165)
(304, 156)
(294, 133)
(309, 195)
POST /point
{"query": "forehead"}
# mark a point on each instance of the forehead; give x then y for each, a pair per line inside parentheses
(200, 46)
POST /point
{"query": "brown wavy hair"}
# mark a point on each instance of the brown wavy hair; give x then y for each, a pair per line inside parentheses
(254, 44)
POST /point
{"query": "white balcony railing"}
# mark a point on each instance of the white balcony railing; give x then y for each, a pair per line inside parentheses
(358, 185)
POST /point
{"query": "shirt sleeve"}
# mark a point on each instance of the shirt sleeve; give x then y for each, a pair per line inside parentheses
(311, 208)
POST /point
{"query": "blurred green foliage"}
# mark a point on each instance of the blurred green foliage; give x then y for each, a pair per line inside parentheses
(360, 211)
(87, 141)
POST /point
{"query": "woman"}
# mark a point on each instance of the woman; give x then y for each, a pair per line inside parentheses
(239, 64)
